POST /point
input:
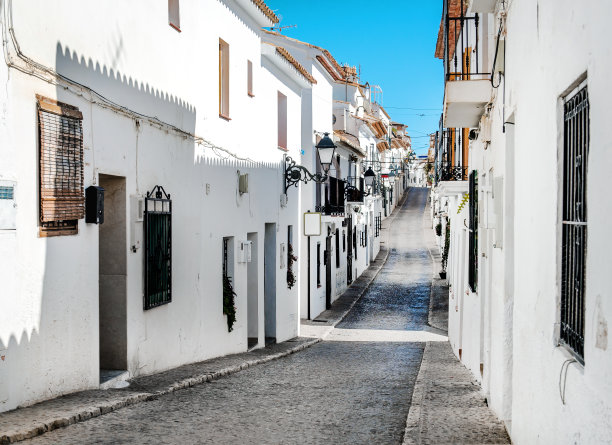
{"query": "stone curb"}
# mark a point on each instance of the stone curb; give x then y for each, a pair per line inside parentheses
(133, 399)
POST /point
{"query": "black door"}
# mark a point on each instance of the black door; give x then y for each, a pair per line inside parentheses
(349, 251)
(328, 272)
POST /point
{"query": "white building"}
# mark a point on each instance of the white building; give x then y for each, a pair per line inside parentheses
(189, 164)
(89, 102)
(520, 167)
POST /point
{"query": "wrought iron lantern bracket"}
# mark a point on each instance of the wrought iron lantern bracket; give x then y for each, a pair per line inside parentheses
(294, 174)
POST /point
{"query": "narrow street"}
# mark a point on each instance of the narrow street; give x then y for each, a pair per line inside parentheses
(344, 390)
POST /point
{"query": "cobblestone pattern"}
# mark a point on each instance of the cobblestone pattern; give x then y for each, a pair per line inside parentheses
(342, 393)
(47, 416)
(339, 392)
(399, 297)
(447, 406)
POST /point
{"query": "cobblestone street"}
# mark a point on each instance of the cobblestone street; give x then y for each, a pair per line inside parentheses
(355, 387)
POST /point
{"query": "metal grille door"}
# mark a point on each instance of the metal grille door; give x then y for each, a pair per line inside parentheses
(575, 156)
(158, 248)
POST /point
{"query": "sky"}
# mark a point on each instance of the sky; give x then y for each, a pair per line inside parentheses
(392, 41)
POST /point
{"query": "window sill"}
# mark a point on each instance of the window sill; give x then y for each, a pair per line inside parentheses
(223, 116)
(319, 286)
(283, 148)
(250, 94)
(175, 27)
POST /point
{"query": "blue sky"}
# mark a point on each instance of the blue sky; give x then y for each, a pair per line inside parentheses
(393, 41)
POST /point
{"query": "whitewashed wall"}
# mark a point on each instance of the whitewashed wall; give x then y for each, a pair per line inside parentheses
(49, 321)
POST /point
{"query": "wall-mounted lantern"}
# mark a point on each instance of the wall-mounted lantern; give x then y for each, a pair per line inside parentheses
(294, 174)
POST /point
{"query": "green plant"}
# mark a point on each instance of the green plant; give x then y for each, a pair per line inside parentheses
(229, 308)
(439, 229)
(290, 275)
(446, 246)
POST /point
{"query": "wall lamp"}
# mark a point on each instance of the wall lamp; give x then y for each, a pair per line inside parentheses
(294, 174)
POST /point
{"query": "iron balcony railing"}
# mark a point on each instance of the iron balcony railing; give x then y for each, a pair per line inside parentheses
(461, 43)
(449, 155)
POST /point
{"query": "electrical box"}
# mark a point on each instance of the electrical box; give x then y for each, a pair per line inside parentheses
(136, 219)
(8, 205)
(244, 251)
(94, 205)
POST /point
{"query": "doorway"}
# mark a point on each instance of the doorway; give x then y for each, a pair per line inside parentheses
(270, 283)
(112, 269)
(253, 294)
(328, 271)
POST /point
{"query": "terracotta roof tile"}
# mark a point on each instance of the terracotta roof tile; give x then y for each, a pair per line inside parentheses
(284, 53)
(454, 10)
(261, 4)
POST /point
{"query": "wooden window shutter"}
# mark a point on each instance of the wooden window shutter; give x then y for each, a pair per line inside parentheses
(61, 162)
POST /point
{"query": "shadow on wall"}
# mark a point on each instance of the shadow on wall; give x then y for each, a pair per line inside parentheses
(122, 89)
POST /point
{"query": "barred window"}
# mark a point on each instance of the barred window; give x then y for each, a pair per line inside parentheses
(62, 201)
(574, 231)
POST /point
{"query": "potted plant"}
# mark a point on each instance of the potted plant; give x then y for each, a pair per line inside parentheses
(229, 307)
(290, 275)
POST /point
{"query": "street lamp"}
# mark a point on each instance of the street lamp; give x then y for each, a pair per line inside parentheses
(369, 176)
(326, 148)
(294, 174)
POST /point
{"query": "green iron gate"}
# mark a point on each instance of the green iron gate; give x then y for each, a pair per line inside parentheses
(157, 248)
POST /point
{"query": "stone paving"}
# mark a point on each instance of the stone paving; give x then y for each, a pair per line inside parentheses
(354, 387)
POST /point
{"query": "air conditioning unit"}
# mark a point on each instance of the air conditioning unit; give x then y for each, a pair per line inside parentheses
(243, 184)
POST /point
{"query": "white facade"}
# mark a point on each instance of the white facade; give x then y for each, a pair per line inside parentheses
(155, 113)
(507, 330)
(56, 315)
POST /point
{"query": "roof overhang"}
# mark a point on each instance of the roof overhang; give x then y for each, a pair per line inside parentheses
(259, 11)
(269, 51)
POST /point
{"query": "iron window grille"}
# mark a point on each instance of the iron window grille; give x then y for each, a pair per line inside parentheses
(574, 224)
(473, 231)
(158, 248)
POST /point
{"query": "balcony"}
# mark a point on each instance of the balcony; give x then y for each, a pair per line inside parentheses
(465, 101)
(467, 84)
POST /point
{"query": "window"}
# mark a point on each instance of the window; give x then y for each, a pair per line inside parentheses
(282, 121)
(343, 241)
(62, 201)
(224, 77)
(318, 264)
(473, 233)
(574, 224)
(173, 14)
(250, 78)
(157, 248)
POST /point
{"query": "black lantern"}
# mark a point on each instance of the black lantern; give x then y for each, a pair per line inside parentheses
(326, 148)
(294, 174)
(369, 176)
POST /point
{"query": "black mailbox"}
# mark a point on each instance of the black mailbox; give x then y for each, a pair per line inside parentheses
(94, 205)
